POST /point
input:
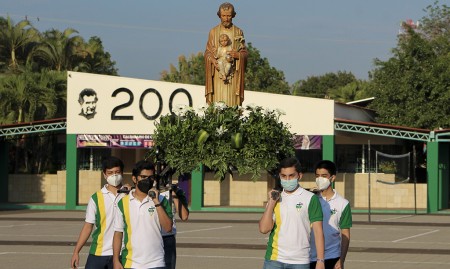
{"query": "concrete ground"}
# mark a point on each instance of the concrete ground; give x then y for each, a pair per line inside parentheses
(45, 239)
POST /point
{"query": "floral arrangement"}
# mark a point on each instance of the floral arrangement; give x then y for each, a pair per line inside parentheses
(223, 138)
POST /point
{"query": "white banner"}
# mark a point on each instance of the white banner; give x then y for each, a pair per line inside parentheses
(100, 104)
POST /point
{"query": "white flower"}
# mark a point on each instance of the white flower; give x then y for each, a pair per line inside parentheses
(280, 112)
(180, 110)
(244, 114)
(202, 108)
(201, 114)
(220, 106)
(267, 111)
(220, 131)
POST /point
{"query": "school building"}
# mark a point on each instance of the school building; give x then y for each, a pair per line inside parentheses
(381, 168)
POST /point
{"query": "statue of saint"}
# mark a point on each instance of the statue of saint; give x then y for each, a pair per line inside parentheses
(225, 62)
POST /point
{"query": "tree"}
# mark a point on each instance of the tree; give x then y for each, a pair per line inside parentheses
(259, 75)
(58, 50)
(322, 86)
(13, 40)
(412, 88)
(190, 71)
(31, 96)
(355, 90)
(27, 96)
(94, 59)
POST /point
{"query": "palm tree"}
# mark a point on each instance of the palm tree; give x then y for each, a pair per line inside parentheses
(27, 97)
(23, 94)
(352, 91)
(59, 51)
(94, 59)
(15, 37)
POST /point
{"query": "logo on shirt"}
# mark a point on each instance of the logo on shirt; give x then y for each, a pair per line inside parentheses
(333, 211)
(299, 206)
(151, 210)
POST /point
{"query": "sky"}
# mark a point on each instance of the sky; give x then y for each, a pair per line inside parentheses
(302, 38)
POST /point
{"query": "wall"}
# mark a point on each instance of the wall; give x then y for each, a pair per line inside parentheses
(236, 191)
(233, 191)
(354, 187)
(51, 188)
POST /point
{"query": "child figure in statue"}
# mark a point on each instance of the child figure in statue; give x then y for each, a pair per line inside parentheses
(223, 57)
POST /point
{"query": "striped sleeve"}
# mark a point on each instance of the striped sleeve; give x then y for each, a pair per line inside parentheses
(165, 204)
(315, 209)
(346, 218)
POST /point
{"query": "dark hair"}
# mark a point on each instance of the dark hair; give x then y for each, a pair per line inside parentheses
(142, 165)
(111, 162)
(86, 92)
(327, 165)
(290, 162)
(226, 6)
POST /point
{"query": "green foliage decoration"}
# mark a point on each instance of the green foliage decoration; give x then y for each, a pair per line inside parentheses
(223, 138)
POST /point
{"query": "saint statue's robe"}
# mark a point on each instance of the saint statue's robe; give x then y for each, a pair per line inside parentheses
(230, 91)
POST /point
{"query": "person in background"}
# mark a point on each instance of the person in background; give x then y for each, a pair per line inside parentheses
(337, 218)
(100, 218)
(180, 205)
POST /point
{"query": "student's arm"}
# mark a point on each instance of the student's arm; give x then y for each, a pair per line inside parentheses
(82, 238)
(266, 221)
(91, 213)
(345, 243)
(316, 219)
(164, 211)
(181, 206)
(320, 244)
(345, 223)
(117, 244)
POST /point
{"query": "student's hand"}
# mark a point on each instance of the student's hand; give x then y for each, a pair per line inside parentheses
(156, 194)
(320, 265)
(74, 262)
(177, 192)
(126, 186)
(274, 195)
(338, 265)
(117, 265)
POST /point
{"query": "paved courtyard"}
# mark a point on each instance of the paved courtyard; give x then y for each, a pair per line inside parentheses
(45, 239)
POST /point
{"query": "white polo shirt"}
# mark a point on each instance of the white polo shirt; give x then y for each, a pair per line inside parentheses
(293, 214)
(100, 212)
(337, 215)
(139, 222)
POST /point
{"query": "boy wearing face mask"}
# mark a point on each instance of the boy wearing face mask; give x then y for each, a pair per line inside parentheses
(337, 218)
(288, 217)
(139, 220)
(100, 214)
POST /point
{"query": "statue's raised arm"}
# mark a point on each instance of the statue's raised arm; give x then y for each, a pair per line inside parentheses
(225, 60)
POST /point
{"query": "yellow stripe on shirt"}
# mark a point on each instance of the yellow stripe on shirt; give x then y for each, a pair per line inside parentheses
(126, 213)
(102, 213)
(277, 212)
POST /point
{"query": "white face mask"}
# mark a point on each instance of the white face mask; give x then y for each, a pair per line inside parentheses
(114, 180)
(322, 183)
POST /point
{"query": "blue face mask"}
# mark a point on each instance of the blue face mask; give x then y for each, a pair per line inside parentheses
(289, 185)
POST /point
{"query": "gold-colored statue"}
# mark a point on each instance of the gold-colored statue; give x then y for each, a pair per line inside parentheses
(225, 59)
